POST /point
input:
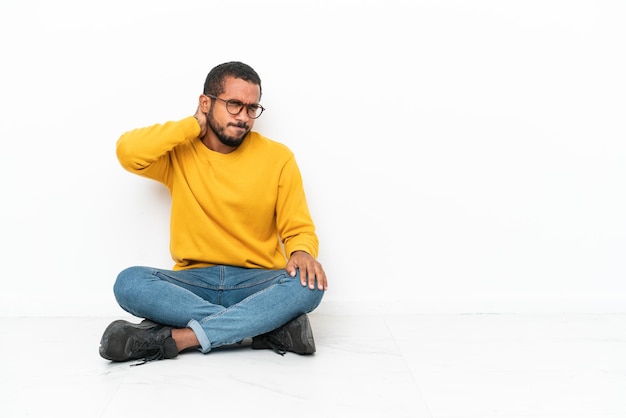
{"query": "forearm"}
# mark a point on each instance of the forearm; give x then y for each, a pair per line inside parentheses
(293, 218)
(140, 148)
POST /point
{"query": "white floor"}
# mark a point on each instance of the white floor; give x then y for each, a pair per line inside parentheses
(452, 366)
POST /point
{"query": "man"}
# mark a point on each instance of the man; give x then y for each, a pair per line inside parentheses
(241, 235)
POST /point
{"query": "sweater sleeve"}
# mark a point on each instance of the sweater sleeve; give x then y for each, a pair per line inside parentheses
(145, 151)
(293, 218)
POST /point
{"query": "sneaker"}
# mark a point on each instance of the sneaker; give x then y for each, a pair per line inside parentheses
(295, 336)
(124, 341)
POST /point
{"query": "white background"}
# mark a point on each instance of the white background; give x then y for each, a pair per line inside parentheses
(458, 156)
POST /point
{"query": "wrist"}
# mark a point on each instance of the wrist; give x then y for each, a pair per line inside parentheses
(200, 128)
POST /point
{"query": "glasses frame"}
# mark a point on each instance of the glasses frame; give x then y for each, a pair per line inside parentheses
(232, 102)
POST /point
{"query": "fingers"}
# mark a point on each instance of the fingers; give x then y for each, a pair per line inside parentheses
(311, 271)
(291, 270)
(200, 115)
(322, 282)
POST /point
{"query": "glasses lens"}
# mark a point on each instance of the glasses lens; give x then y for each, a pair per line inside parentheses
(234, 107)
(254, 111)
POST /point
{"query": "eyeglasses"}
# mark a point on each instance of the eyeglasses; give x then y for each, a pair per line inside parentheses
(234, 107)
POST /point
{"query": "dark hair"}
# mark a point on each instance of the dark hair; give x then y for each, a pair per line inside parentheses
(214, 83)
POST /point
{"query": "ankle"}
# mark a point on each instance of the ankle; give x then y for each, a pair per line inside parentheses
(185, 338)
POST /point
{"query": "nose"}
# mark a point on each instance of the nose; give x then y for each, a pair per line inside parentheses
(243, 115)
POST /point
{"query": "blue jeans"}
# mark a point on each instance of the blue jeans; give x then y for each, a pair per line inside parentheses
(221, 304)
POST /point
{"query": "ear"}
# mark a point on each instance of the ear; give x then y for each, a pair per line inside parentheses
(205, 103)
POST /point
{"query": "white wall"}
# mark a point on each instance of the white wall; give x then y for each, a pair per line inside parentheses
(459, 156)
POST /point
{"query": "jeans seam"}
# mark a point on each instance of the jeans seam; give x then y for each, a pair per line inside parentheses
(220, 286)
(187, 282)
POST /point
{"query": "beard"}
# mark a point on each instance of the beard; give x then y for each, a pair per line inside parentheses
(228, 140)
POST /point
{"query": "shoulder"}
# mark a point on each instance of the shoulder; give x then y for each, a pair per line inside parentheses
(262, 143)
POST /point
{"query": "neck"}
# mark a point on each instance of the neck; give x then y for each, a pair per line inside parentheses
(214, 144)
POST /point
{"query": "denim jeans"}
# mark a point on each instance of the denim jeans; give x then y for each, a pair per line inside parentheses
(221, 304)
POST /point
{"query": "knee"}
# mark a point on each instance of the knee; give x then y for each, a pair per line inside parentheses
(317, 297)
(311, 298)
(127, 282)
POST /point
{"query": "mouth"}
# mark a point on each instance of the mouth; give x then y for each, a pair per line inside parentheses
(239, 131)
(240, 126)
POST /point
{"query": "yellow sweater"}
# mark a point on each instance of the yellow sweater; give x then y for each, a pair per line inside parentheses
(239, 209)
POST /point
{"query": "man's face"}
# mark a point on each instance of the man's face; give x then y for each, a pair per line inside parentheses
(230, 128)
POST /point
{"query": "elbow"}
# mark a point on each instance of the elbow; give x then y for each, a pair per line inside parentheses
(127, 155)
(123, 155)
